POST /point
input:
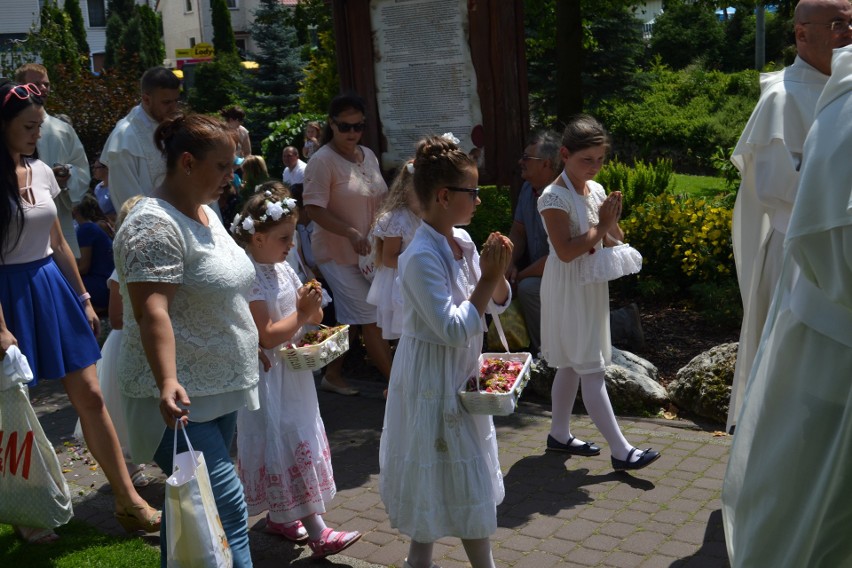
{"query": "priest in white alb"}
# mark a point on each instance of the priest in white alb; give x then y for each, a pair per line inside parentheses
(135, 164)
(769, 155)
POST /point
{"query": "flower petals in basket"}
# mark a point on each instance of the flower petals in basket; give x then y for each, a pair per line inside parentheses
(317, 348)
(498, 385)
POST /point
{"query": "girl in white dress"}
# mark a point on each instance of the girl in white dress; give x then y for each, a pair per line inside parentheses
(575, 326)
(108, 367)
(396, 222)
(283, 456)
(440, 475)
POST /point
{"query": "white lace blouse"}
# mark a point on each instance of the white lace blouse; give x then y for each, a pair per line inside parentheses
(216, 338)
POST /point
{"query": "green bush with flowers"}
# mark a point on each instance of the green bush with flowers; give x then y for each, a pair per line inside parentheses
(684, 240)
(686, 246)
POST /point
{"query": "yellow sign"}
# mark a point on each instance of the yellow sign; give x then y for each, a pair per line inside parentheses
(199, 51)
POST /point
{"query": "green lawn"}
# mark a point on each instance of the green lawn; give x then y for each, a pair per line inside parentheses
(697, 186)
(79, 546)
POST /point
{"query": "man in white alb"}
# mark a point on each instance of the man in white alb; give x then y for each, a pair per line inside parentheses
(135, 164)
(768, 155)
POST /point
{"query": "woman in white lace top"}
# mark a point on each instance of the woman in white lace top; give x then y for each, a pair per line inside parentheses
(191, 338)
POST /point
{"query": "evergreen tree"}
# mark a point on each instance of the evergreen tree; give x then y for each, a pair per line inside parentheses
(223, 33)
(54, 41)
(275, 84)
(78, 26)
(119, 14)
(134, 37)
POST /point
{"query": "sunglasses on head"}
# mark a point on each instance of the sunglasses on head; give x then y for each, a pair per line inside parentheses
(347, 126)
(23, 92)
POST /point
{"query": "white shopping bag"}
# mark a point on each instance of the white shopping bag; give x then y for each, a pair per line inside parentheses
(33, 491)
(196, 538)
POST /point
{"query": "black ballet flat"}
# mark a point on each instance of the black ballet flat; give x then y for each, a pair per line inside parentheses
(587, 449)
(645, 458)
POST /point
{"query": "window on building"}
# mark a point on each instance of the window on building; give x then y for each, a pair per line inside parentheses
(97, 13)
(189, 5)
(232, 4)
(192, 42)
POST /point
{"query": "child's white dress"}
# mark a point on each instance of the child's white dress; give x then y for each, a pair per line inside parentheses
(108, 379)
(384, 291)
(574, 317)
(440, 473)
(283, 458)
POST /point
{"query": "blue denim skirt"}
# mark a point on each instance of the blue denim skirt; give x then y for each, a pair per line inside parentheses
(42, 311)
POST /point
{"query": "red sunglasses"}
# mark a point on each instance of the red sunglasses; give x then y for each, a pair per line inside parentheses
(23, 92)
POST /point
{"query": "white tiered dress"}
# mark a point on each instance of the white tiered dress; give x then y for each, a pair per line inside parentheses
(283, 459)
(384, 291)
(440, 473)
(574, 317)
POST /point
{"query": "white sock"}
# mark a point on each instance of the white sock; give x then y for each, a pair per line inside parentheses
(599, 407)
(562, 396)
(314, 525)
(479, 552)
(420, 554)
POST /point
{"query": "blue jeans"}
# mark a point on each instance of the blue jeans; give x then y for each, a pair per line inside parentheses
(213, 439)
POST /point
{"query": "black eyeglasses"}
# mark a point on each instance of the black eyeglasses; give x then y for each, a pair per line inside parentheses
(836, 27)
(347, 126)
(472, 191)
(23, 92)
(526, 157)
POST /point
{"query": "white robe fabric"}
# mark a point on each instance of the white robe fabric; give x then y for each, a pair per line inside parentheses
(59, 144)
(785, 498)
(768, 156)
(135, 164)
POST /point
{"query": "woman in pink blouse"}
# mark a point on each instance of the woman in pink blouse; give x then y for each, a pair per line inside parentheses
(343, 191)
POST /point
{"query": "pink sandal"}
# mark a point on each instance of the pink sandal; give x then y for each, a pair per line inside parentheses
(294, 532)
(332, 542)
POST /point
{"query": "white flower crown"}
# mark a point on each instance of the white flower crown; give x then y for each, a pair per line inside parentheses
(274, 210)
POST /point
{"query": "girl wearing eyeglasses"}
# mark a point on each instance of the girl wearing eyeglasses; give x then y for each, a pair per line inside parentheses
(343, 190)
(44, 307)
(440, 473)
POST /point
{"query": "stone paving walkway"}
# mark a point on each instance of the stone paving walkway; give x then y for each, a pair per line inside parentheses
(557, 511)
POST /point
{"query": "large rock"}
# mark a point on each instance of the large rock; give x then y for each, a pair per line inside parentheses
(625, 328)
(703, 386)
(630, 380)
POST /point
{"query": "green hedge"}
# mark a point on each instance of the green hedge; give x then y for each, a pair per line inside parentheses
(493, 214)
(684, 116)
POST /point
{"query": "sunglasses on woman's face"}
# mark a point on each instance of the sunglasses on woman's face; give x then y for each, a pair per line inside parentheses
(347, 126)
(23, 92)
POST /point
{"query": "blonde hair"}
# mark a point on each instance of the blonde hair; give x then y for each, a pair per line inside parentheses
(125, 210)
(397, 198)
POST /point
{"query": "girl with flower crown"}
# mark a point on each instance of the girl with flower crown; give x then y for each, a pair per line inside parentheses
(440, 473)
(283, 458)
(396, 222)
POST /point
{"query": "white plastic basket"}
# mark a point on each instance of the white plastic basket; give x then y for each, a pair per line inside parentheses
(311, 357)
(497, 404)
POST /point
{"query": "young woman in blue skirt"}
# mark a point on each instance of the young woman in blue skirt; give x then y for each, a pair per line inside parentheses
(44, 307)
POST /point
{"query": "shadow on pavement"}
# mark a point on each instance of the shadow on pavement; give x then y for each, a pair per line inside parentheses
(713, 546)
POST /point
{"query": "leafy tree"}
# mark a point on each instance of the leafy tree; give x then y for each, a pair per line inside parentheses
(152, 51)
(321, 82)
(686, 31)
(275, 84)
(223, 33)
(78, 26)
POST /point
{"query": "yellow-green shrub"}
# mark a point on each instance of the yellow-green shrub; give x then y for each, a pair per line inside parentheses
(683, 240)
